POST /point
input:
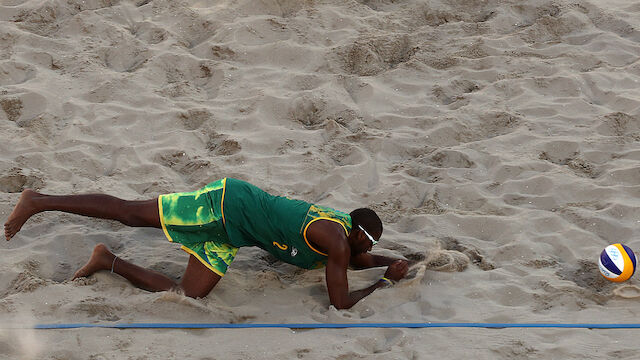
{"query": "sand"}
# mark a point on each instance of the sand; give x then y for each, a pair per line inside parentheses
(499, 141)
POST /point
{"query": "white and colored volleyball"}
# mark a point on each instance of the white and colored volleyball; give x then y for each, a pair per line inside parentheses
(617, 263)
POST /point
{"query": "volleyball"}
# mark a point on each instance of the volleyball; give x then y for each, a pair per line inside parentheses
(617, 263)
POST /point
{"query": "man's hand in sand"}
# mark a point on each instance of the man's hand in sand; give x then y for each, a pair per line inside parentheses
(397, 271)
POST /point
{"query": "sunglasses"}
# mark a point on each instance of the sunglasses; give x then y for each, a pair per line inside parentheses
(373, 241)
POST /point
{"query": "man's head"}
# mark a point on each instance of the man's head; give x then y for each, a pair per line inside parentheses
(366, 230)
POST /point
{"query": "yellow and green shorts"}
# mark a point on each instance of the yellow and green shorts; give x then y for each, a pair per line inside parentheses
(196, 220)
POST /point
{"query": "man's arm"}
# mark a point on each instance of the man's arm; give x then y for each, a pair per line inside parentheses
(331, 237)
(338, 285)
(366, 260)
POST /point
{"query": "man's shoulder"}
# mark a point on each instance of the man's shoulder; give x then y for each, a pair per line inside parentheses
(327, 227)
(329, 235)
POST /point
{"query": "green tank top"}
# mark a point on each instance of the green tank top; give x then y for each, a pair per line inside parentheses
(253, 217)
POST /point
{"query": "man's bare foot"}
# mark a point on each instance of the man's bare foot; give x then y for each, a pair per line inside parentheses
(24, 209)
(101, 259)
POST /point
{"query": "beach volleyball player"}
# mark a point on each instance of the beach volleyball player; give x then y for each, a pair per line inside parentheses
(214, 221)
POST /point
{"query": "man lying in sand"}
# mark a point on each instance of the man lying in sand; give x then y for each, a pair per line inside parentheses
(213, 222)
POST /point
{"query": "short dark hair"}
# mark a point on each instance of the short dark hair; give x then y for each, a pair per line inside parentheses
(368, 219)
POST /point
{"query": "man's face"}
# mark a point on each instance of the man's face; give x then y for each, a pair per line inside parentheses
(365, 241)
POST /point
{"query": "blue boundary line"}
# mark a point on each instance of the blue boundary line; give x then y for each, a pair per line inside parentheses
(333, 326)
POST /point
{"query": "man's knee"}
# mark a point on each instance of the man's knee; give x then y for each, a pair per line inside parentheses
(194, 293)
(198, 280)
(199, 288)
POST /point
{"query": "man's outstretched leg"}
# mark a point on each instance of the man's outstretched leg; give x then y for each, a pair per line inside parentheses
(133, 213)
(197, 280)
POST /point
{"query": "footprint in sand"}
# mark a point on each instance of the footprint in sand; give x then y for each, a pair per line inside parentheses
(454, 93)
(559, 152)
(627, 291)
(193, 119)
(126, 57)
(617, 124)
(12, 107)
(370, 56)
(451, 159)
(15, 73)
(16, 180)
(222, 145)
(308, 112)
